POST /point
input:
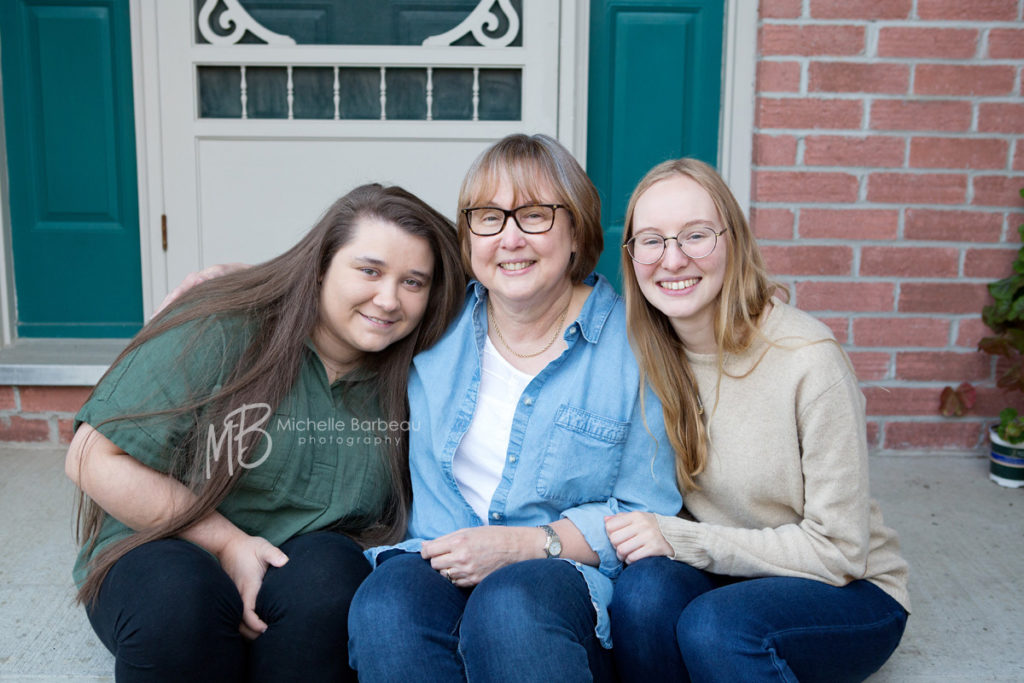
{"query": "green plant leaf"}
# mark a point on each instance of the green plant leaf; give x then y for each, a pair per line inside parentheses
(1010, 426)
(1005, 291)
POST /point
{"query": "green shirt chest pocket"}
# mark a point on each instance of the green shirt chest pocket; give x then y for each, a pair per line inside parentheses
(581, 461)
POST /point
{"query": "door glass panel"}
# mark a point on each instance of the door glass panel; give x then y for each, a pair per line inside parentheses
(497, 95)
(500, 94)
(314, 92)
(267, 92)
(406, 94)
(220, 90)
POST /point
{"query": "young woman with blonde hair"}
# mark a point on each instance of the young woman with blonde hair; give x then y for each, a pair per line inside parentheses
(779, 567)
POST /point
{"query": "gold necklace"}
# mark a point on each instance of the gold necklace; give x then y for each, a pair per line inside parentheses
(554, 336)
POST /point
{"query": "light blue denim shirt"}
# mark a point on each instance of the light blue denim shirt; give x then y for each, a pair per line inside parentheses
(579, 446)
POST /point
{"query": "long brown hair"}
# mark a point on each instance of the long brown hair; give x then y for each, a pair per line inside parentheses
(746, 291)
(530, 162)
(279, 302)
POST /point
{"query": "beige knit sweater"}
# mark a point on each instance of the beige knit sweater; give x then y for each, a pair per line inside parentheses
(785, 492)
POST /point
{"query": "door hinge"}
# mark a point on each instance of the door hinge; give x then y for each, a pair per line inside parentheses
(163, 231)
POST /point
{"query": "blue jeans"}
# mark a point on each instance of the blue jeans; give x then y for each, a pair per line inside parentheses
(528, 621)
(168, 612)
(673, 622)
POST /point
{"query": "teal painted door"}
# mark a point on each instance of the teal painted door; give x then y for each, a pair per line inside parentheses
(69, 123)
(655, 87)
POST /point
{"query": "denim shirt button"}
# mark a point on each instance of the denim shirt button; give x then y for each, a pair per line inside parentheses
(528, 401)
(512, 458)
(495, 515)
(572, 330)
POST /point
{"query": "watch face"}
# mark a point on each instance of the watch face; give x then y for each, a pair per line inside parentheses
(555, 549)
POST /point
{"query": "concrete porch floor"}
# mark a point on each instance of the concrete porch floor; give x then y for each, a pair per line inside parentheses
(962, 534)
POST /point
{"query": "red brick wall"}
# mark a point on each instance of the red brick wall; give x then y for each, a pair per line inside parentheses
(39, 414)
(888, 159)
(887, 163)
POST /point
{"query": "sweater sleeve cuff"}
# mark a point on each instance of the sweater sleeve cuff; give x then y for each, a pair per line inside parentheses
(687, 539)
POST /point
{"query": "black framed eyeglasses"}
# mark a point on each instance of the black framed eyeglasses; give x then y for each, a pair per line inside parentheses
(696, 243)
(531, 218)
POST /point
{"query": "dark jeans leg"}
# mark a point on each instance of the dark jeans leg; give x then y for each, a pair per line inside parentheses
(404, 621)
(789, 629)
(650, 595)
(532, 621)
(305, 604)
(168, 612)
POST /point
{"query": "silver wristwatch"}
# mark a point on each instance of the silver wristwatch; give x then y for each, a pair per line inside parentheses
(553, 544)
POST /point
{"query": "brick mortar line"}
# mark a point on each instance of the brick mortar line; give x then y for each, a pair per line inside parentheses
(885, 279)
(908, 97)
(905, 135)
(867, 134)
(909, 22)
(912, 62)
(894, 244)
(985, 208)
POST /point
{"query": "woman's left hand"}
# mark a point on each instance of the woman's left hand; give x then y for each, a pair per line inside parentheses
(465, 557)
(636, 535)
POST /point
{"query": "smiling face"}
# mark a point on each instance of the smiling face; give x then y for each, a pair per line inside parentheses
(374, 292)
(521, 268)
(682, 288)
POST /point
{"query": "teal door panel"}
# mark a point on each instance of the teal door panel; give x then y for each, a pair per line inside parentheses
(69, 124)
(655, 88)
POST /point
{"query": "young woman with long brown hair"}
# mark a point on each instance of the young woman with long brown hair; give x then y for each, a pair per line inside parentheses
(251, 440)
(779, 567)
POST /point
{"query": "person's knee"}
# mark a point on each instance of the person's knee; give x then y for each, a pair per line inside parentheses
(705, 629)
(388, 598)
(318, 582)
(174, 597)
(518, 598)
(639, 589)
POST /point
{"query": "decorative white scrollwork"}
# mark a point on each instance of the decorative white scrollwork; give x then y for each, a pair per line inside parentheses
(237, 21)
(481, 18)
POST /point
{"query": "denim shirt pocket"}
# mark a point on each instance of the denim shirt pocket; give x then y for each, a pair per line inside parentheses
(581, 461)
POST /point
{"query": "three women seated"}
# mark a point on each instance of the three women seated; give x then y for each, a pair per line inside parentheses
(684, 471)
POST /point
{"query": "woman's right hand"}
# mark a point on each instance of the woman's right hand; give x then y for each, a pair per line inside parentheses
(245, 559)
(194, 278)
(636, 535)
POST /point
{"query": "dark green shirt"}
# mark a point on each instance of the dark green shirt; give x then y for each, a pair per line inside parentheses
(320, 459)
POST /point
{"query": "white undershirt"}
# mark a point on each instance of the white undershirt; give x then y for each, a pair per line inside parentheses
(480, 457)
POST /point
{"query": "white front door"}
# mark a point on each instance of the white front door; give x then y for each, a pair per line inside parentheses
(259, 134)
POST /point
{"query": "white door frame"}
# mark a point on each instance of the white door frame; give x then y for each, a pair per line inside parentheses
(735, 148)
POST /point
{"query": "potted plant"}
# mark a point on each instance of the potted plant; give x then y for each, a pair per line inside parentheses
(1005, 317)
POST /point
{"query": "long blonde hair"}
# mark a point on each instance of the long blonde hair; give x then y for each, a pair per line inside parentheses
(746, 291)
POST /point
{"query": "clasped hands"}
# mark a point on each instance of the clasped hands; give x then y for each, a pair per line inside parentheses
(467, 556)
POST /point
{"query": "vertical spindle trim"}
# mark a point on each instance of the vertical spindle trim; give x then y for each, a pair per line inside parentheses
(476, 93)
(337, 96)
(430, 93)
(291, 94)
(245, 94)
